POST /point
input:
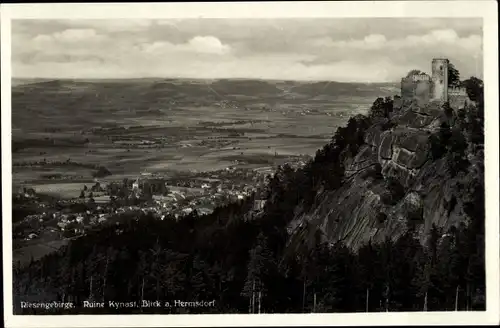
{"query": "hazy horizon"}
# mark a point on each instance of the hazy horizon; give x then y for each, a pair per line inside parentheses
(166, 78)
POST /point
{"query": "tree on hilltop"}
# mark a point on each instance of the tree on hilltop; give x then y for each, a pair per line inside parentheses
(453, 76)
(474, 88)
(381, 108)
(414, 72)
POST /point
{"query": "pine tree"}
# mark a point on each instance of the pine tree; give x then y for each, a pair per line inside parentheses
(403, 269)
(369, 275)
(333, 283)
(259, 267)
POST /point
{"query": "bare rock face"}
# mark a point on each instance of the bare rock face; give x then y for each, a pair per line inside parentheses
(360, 211)
(415, 120)
(373, 136)
(347, 214)
(365, 158)
(402, 152)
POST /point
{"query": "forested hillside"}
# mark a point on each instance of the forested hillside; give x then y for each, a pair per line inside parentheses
(296, 256)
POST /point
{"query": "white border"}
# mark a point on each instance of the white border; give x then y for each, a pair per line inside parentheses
(485, 9)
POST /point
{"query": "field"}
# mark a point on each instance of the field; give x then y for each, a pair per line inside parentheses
(63, 130)
(59, 190)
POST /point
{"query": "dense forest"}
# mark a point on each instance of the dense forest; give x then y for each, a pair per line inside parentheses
(245, 264)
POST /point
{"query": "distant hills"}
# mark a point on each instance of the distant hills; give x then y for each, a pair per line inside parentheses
(248, 87)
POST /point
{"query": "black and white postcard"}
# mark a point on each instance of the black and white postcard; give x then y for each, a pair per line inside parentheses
(214, 164)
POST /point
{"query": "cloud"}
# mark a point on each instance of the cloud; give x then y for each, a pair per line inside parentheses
(114, 25)
(196, 45)
(70, 36)
(65, 45)
(413, 51)
(372, 41)
(267, 67)
(208, 44)
(444, 38)
(435, 38)
(301, 49)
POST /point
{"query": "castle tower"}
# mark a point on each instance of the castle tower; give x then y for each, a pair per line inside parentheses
(440, 79)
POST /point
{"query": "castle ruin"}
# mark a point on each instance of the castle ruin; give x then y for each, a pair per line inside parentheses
(424, 88)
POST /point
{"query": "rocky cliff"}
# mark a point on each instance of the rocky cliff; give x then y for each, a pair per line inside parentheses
(396, 150)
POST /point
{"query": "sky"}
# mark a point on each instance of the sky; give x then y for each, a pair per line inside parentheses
(333, 49)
